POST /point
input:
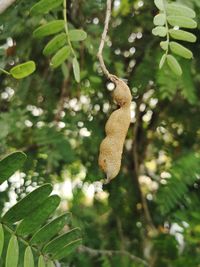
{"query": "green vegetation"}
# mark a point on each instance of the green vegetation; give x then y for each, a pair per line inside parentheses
(55, 209)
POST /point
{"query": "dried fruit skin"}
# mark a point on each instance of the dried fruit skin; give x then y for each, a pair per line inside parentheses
(116, 130)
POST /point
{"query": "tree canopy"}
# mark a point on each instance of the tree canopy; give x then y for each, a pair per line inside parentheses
(54, 104)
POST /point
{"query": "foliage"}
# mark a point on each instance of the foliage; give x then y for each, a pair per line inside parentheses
(177, 16)
(175, 191)
(152, 213)
(21, 71)
(36, 227)
(61, 44)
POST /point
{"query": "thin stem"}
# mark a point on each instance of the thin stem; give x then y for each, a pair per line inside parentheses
(8, 229)
(102, 42)
(97, 252)
(66, 26)
(149, 221)
(4, 71)
(167, 27)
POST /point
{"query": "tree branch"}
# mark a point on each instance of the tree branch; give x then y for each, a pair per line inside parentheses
(4, 4)
(147, 214)
(102, 42)
(96, 252)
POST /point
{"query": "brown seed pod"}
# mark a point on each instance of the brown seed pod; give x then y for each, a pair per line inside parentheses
(116, 129)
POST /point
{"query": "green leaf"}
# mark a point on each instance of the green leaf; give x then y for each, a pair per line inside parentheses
(41, 261)
(159, 31)
(184, 173)
(23, 70)
(159, 4)
(180, 10)
(28, 204)
(49, 28)
(59, 242)
(182, 35)
(159, 20)
(162, 61)
(10, 164)
(56, 43)
(164, 45)
(50, 264)
(51, 229)
(77, 35)
(174, 65)
(65, 70)
(76, 69)
(12, 254)
(180, 50)
(28, 258)
(38, 216)
(45, 6)
(66, 250)
(60, 56)
(182, 21)
(1, 239)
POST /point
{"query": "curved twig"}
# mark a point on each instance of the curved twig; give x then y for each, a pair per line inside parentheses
(102, 43)
(96, 252)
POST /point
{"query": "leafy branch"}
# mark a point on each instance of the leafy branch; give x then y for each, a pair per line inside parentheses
(177, 16)
(66, 26)
(60, 47)
(183, 174)
(28, 222)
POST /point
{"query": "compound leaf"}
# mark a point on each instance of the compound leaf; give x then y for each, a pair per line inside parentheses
(174, 65)
(77, 35)
(56, 43)
(50, 229)
(12, 254)
(76, 69)
(38, 216)
(49, 28)
(66, 250)
(182, 35)
(182, 21)
(59, 242)
(180, 50)
(45, 6)
(10, 164)
(28, 258)
(1, 239)
(28, 204)
(180, 10)
(23, 70)
(60, 56)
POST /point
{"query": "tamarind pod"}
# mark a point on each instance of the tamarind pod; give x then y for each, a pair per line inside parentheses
(116, 129)
(120, 117)
(122, 95)
(111, 150)
(110, 157)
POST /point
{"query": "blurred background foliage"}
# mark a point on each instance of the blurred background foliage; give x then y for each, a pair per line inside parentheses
(152, 208)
